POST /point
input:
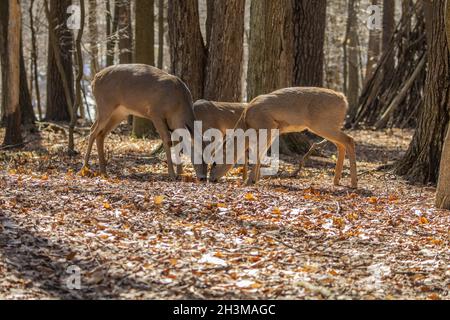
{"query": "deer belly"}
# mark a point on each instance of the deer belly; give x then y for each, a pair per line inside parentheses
(292, 129)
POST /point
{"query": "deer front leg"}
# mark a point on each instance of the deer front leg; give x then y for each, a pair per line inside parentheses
(163, 131)
(101, 152)
(339, 164)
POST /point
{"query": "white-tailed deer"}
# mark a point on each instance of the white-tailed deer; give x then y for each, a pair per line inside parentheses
(143, 91)
(321, 111)
(217, 115)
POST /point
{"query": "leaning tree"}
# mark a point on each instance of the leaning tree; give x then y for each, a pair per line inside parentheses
(443, 189)
(421, 161)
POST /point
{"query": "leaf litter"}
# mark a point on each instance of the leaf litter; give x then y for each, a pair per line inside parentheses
(135, 234)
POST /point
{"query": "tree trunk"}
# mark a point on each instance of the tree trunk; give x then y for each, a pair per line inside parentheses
(309, 23)
(13, 135)
(388, 31)
(187, 51)
(125, 32)
(271, 50)
(161, 19)
(144, 53)
(373, 50)
(26, 107)
(421, 162)
(110, 34)
(352, 58)
(58, 108)
(34, 58)
(309, 32)
(225, 52)
(4, 56)
(443, 188)
(77, 103)
(93, 37)
(209, 20)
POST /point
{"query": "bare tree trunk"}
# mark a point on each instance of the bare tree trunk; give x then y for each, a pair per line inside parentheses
(161, 19)
(144, 53)
(421, 161)
(26, 107)
(187, 51)
(34, 59)
(309, 32)
(77, 104)
(125, 32)
(225, 52)
(58, 104)
(110, 34)
(271, 49)
(4, 56)
(309, 22)
(443, 188)
(13, 135)
(373, 50)
(352, 61)
(93, 37)
(388, 31)
(209, 20)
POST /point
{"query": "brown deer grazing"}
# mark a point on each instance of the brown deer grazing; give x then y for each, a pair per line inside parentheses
(321, 111)
(143, 91)
(217, 115)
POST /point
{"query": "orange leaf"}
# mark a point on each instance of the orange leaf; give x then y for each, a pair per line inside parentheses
(250, 197)
(423, 220)
(158, 200)
(373, 200)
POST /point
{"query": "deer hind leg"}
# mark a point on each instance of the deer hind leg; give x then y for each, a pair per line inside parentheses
(245, 171)
(112, 123)
(163, 130)
(255, 174)
(345, 144)
(92, 136)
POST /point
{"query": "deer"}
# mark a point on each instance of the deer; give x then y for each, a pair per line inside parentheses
(143, 91)
(319, 110)
(217, 115)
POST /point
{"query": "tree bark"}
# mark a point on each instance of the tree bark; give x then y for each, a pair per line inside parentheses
(58, 108)
(388, 31)
(271, 50)
(421, 161)
(125, 32)
(93, 37)
(26, 107)
(110, 34)
(352, 58)
(443, 188)
(373, 50)
(225, 52)
(161, 19)
(34, 58)
(209, 20)
(4, 55)
(309, 32)
(13, 135)
(187, 51)
(77, 103)
(144, 53)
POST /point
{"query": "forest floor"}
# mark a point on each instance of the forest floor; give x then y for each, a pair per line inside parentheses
(137, 235)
